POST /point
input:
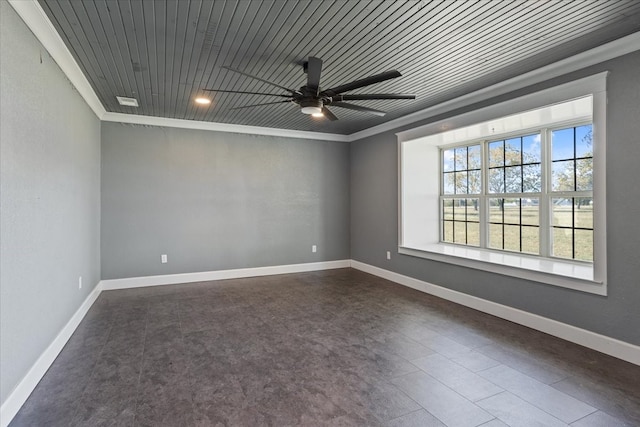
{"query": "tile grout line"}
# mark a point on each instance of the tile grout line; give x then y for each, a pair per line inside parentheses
(371, 336)
(494, 419)
(515, 368)
(536, 406)
(502, 390)
(413, 412)
(481, 370)
(454, 391)
(413, 400)
(597, 408)
(588, 415)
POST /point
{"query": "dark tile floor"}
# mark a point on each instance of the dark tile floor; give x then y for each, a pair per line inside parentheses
(338, 347)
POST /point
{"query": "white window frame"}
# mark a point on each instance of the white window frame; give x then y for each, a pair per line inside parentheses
(587, 277)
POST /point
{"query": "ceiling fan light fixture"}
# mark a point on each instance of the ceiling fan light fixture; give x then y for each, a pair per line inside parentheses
(311, 106)
(317, 114)
(203, 101)
(314, 111)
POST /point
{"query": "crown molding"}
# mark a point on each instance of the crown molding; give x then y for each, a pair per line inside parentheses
(220, 127)
(36, 19)
(38, 22)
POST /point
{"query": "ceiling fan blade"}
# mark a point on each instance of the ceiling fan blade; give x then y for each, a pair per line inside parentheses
(358, 108)
(387, 75)
(248, 93)
(258, 105)
(258, 78)
(369, 96)
(314, 69)
(328, 114)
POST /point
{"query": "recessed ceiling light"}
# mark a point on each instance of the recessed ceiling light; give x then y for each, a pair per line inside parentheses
(129, 102)
(203, 101)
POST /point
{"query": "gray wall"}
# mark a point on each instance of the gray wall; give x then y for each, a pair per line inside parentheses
(374, 220)
(214, 200)
(49, 199)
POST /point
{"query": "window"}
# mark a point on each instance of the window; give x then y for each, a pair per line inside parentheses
(572, 185)
(516, 188)
(461, 176)
(506, 198)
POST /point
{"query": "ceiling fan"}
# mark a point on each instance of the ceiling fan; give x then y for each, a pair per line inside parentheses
(312, 100)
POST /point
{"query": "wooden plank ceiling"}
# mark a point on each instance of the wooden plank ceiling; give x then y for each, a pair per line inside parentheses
(164, 52)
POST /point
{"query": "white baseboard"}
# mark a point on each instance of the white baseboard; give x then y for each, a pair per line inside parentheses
(611, 346)
(172, 279)
(16, 399)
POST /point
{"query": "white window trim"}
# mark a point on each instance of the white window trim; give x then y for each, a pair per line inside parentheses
(563, 273)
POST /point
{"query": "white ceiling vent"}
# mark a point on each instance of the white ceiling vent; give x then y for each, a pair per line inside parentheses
(129, 102)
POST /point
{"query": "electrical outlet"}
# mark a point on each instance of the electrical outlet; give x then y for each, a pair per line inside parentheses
(163, 258)
(80, 282)
(314, 248)
(388, 254)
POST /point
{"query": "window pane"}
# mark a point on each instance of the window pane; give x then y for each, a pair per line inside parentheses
(459, 210)
(532, 178)
(583, 213)
(448, 157)
(530, 211)
(562, 211)
(495, 210)
(584, 174)
(563, 176)
(562, 144)
(562, 242)
(513, 178)
(496, 181)
(495, 236)
(461, 158)
(461, 182)
(584, 245)
(512, 238)
(447, 231)
(447, 209)
(472, 210)
(448, 180)
(531, 148)
(475, 158)
(513, 154)
(475, 182)
(496, 153)
(459, 232)
(584, 141)
(531, 240)
(511, 211)
(473, 233)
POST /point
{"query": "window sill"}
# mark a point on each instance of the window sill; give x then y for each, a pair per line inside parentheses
(553, 272)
